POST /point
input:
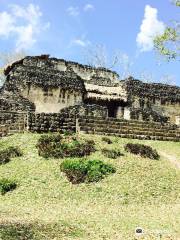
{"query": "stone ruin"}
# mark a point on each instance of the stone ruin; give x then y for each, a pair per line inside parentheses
(50, 90)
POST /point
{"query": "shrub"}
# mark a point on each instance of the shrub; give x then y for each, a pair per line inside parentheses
(142, 150)
(14, 152)
(111, 153)
(7, 185)
(16, 231)
(82, 170)
(7, 154)
(107, 140)
(86, 148)
(68, 132)
(4, 157)
(59, 146)
(47, 143)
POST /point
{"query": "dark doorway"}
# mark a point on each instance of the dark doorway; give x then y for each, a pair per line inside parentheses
(112, 109)
(112, 106)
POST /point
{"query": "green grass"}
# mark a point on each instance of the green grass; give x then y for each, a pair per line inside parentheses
(142, 192)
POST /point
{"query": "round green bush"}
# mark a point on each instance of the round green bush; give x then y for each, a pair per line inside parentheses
(82, 170)
(7, 185)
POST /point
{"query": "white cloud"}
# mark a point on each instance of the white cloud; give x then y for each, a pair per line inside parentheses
(81, 42)
(26, 37)
(73, 11)
(88, 7)
(150, 27)
(6, 24)
(24, 24)
(32, 13)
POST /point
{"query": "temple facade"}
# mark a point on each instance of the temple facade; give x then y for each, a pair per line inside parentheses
(42, 84)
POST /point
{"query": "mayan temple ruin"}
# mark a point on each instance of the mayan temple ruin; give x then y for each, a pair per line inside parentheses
(47, 94)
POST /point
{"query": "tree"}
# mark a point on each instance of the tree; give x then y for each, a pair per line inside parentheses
(176, 2)
(97, 56)
(168, 44)
(8, 58)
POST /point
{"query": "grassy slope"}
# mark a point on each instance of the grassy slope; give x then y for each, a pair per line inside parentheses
(142, 192)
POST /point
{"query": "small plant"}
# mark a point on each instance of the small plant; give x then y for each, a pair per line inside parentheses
(4, 157)
(47, 144)
(14, 152)
(107, 140)
(111, 153)
(142, 150)
(82, 170)
(86, 148)
(7, 185)
(68, 132)
(59, 146)
(16, 232)
(7, 154)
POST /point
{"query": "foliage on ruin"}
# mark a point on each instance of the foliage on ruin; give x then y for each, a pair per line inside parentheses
(60, 146)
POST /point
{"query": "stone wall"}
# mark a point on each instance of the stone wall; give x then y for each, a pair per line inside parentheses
(53, 84)
(155, 101)
(147, 114)
(46, 122)
(39, 81)
(51, 99)
(10, 101)
(92, 110)
(12, 122)
(129, 129)
(65, 120)
(99, 76)
(48, 85)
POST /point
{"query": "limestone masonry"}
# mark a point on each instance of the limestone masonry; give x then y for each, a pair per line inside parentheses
(43, 85)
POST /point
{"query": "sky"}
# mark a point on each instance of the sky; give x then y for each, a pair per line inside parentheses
(69, 28)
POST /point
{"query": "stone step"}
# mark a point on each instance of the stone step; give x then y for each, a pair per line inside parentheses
(150, 131)
(91, 119)
(129, 131)
(127, 124)
(126, 127)
(132, 136)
